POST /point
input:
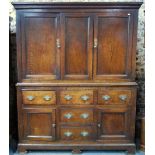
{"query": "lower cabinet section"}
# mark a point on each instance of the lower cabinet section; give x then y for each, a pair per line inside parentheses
(113, 124)
(39, 124)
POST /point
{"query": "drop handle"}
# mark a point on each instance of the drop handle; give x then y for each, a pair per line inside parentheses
(85, 97)
(68, 134)
(84, 133)
(47, 98)
(68, 115)
(123, 97)
(68, 97)
(84, 115)
(106, 97)
(30, 98)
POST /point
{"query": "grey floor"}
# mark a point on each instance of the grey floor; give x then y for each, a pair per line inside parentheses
(83, 153)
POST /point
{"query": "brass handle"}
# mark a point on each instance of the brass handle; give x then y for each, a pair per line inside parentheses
(68, 97)
(85, 97)
(99, 125)
(30, 98)
(95, 43)
(84, 133)
(68, 134)
(58, 43)
(106, 97)
(123, 97)
(53, 125)
(84, 115)
(47, 98)
(68, 115)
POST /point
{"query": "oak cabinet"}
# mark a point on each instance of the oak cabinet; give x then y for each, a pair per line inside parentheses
(76, 85)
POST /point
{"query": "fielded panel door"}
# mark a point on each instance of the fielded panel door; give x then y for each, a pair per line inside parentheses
(76, 46)
(113, 45)
(40, 55)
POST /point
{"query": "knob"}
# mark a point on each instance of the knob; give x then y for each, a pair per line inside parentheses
(53, 125)
(68, 115)
(47, 98)
(58, 43)
(95, 43)
(84, 133)
(68, 97)
(123, 97)
(30, 98)
(68, 134)
(84, 115)
(106, 97)
(85, 97)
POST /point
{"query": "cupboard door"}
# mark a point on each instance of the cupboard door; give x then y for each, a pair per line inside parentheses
(113, 124)
(112, 45)
(76, 36)
(40, 55)
(39, 124)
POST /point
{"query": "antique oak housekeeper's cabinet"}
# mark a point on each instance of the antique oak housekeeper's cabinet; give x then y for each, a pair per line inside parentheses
(76, 72)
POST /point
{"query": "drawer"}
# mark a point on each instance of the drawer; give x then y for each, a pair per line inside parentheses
(77, 133)
(114, 97)
(39, 97)
(76, 97)
(76, 116)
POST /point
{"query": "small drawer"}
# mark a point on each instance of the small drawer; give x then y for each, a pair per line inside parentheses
(39, 97)
(76, 116)
(77, 133)
(114, 97)
(76, 97)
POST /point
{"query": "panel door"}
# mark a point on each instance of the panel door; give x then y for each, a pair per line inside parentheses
(40, 54)
(113, 45)
(76, 36)
(113, 124)
(39, 124)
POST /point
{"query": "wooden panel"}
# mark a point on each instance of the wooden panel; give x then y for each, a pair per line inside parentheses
(113, 32)
(113, 124)
(38, 124)
(72, 116)
(76, 133)
(40, 57)
(77, 55)
(76, 97)
(114, 96)
(39, 97)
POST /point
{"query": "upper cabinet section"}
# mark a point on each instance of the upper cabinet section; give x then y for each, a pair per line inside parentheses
(76, 41)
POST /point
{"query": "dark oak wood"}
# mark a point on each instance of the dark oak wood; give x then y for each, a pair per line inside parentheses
(76, 85)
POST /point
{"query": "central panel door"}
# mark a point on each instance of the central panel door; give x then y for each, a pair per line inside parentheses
(76, 39)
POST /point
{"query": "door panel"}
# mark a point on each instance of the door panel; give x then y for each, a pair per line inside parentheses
(40, 56)
(39, 124)
(77, 46)
(113, 34)
(113, 124)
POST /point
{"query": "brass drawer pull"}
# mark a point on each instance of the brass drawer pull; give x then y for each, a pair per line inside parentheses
(85, 97)
(84, 133)
(84, 115)
(123, 97)
(68, 134)
(30, 98)
(47, 98)
(68, 97)
(106, 97)
(68, 115)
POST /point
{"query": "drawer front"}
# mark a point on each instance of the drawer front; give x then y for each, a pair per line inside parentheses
(114, 97)
(77, 133)
(76, 116)
(76, 97)
(39, 97)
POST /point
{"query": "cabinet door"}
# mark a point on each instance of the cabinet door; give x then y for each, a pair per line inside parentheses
(39, 124)
(113, 45)
(113, 124)
(40, 55)
(76, 36)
